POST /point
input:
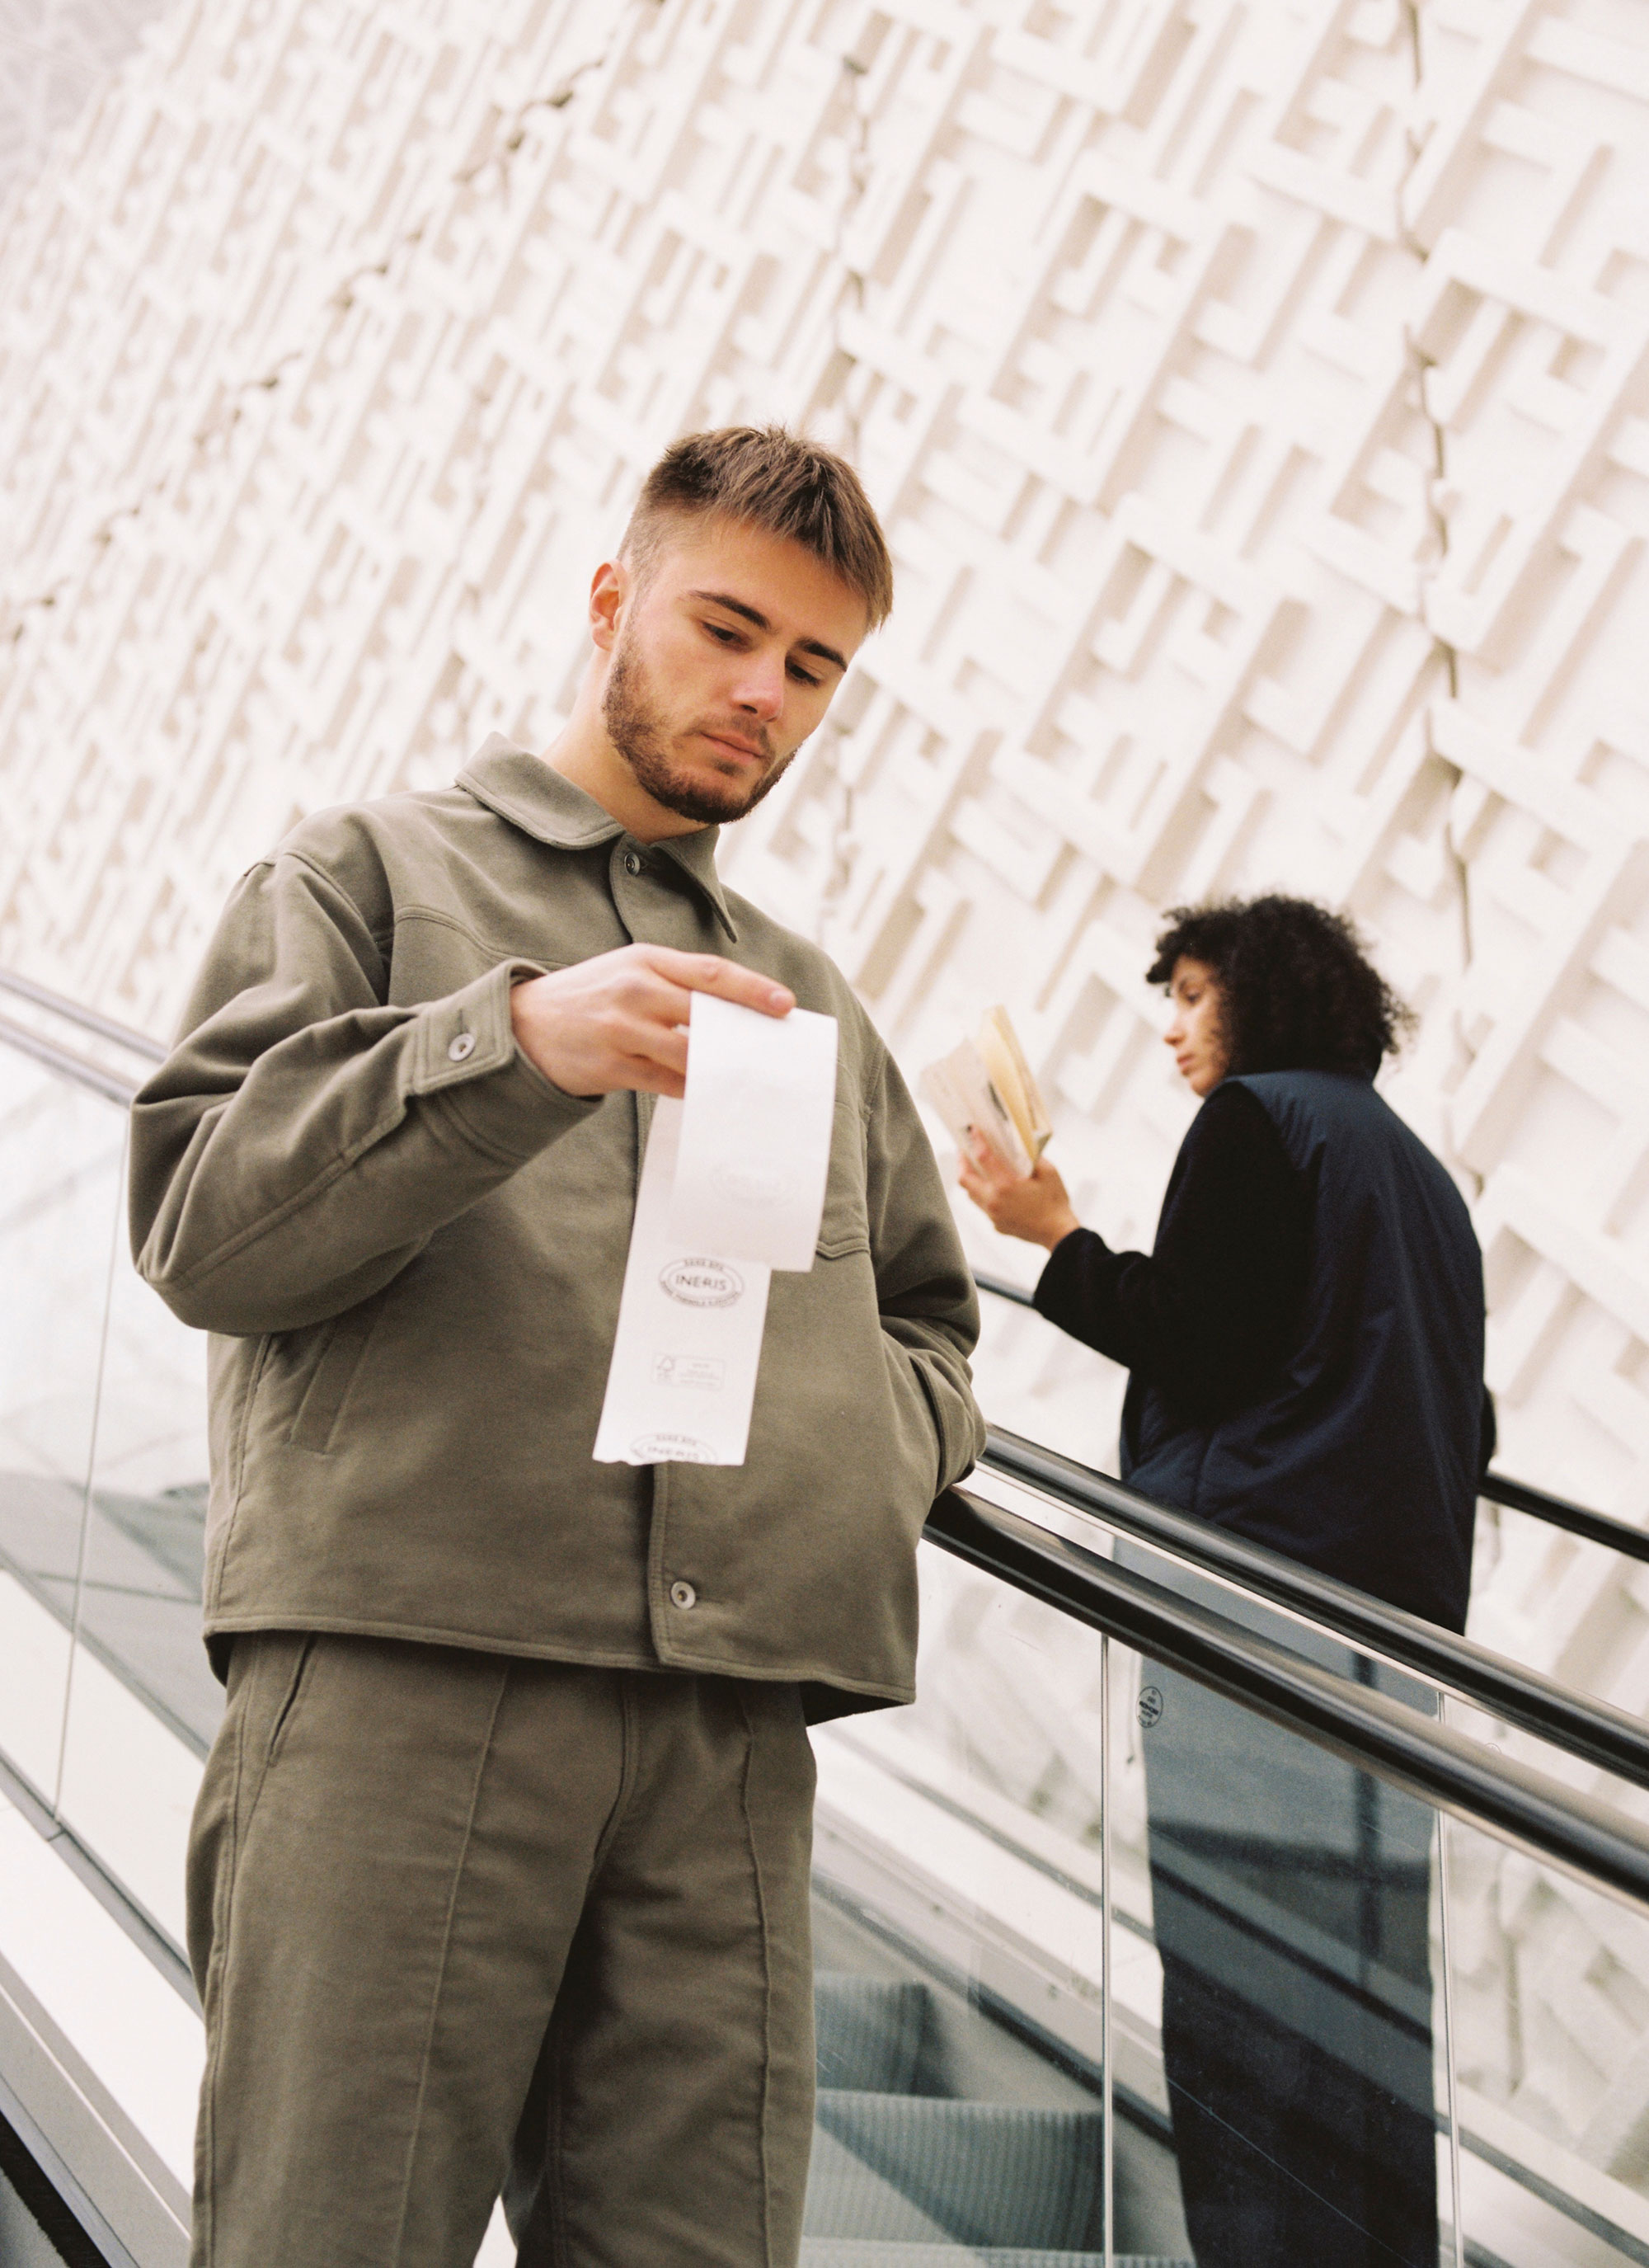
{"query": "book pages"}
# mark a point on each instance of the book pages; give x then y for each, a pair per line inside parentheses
(959, 1089)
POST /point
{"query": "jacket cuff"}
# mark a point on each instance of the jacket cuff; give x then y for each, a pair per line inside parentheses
(466, 1040)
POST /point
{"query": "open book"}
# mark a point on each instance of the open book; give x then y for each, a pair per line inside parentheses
(986, 1087)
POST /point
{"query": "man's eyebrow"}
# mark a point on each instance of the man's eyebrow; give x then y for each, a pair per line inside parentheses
(755, 614)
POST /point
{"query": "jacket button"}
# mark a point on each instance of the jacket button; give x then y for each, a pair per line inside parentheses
(633, 863)
(683, 1595)
(463, 1047)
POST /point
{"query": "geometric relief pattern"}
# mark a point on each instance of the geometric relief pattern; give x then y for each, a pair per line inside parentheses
(1257, 398)
(52, 54)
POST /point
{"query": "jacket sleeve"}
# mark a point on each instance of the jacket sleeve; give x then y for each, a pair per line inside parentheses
(924, 1288)
(304, 1140)
(1205, 1317)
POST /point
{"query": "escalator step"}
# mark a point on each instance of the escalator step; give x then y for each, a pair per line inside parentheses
(859, 2252)
(870, 2033)
(848, 2199)
(982, 2174)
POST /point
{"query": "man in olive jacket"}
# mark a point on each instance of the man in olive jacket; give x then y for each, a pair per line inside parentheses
(498, 1879)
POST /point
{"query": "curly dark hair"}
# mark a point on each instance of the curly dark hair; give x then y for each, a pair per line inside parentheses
(1298, 992)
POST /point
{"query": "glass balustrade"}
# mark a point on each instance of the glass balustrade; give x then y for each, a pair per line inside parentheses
(106, 1702)
(60, 1168)
(1330, 2014)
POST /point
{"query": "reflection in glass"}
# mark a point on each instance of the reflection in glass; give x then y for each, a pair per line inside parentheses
(960, 1867)
(142, 1702)
(1552, 2059)
(1273, 2040)
(106, 1702)
(1292, 1898)
(60, 1172)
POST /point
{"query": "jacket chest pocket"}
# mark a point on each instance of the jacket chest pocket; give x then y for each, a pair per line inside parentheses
(845, 1224)
(342, 1344)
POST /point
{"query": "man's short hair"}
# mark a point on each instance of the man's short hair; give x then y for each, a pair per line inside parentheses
(774, 480)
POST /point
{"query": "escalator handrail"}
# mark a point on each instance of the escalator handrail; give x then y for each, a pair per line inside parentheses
(66, 1064)
(1559, 1511)
(1499, 1488)
(1594, 1731)
(1507, 1798)
(122, 1036)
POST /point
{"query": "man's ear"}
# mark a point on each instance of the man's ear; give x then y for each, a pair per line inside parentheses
(611, 588)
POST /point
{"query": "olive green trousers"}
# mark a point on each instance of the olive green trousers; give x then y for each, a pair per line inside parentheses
(466, 1924)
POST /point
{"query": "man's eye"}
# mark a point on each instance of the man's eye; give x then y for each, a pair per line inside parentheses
(801, 676)
(720, 631)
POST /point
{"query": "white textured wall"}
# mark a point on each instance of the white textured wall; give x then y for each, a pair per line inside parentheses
(53, 54)
(1258, 400)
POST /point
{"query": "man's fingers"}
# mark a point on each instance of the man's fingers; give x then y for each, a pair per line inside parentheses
(653, 1078)
(657, 1046)
(707, 972)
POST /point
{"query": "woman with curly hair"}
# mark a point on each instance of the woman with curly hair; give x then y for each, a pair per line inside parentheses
(1304, 1349)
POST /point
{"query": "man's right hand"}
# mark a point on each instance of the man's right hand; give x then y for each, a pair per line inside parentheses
(619, 1019)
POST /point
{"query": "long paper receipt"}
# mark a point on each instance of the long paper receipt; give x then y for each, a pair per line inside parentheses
(733, 1186)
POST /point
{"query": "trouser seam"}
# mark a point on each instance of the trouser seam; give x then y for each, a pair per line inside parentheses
(441, 1965)
(629, 1772)
(217, 1971)
(628, 1769)
(767, 1985)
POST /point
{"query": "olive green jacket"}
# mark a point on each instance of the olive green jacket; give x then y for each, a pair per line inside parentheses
(408, 1248)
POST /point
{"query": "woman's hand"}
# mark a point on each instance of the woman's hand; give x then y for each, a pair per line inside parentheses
(1035, 1207)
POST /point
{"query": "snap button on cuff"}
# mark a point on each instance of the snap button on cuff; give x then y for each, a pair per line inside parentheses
(683, 1595)
(632, 862)
(463, 1047)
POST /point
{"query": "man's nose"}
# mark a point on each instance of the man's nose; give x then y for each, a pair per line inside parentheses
(760, 689)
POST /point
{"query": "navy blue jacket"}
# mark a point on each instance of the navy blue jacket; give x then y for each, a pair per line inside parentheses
(1356, 1442)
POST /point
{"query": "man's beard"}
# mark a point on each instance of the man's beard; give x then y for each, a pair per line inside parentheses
(639, 733)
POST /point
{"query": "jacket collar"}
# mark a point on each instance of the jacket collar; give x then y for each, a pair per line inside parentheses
(534, 797)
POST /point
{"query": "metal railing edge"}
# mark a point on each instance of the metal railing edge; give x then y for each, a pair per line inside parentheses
(67, 1065)
(1594, 1731)
(106, 1027)
(1507, 1798)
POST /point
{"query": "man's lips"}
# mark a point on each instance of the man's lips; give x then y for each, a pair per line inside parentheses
(735, 747)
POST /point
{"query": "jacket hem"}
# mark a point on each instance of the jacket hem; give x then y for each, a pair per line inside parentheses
(807, 1672)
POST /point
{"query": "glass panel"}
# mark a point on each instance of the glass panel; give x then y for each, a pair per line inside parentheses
(1277, 2050)
(1290, 1905)
(1550, 1991)
(959, 1858)
(143, 1703)
(60, 1172)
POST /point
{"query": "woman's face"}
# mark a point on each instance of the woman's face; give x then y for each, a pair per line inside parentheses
(1196, 1028)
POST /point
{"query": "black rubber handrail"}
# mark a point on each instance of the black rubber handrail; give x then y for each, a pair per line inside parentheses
(1593, 1730)
(1499, 1488)
(1476, 1784)
(1559, 1511)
